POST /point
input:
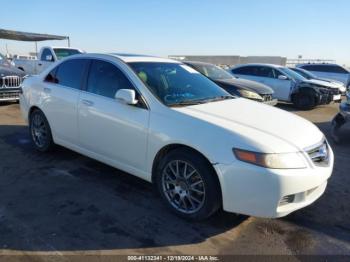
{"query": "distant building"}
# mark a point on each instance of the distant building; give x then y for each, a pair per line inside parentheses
(232, 60)
(294, 62)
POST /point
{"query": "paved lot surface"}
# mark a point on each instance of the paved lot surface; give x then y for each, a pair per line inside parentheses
(63, 203)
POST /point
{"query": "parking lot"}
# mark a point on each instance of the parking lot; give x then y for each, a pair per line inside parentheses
(63, 203)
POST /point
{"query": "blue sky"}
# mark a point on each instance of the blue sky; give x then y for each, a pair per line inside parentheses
(312, 28)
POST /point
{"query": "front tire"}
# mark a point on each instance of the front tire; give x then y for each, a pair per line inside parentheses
(188, 184)
(305, 100)
(40, 131)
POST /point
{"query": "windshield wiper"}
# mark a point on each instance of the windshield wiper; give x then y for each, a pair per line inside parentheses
(201, 101)
(217, 98)
(187, 103)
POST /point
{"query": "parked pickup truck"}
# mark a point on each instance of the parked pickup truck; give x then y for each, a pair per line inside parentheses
(46, 57)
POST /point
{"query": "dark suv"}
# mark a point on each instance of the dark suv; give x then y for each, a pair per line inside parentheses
(10, 82)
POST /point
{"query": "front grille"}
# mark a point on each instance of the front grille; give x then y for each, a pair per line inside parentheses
(334, 91)
(319, 154)
(266, 98)
(10, 82)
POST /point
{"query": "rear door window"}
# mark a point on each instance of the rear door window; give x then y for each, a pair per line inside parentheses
(245, 70)
(70, 73)
(264, 71)
(51, 77)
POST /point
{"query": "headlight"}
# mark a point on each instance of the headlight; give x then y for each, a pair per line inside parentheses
(249, 94)
(323, 90)
(273, 161)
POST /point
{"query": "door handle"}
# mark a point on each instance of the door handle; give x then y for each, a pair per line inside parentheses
(87, 102)
(40, 64)
(47, 90)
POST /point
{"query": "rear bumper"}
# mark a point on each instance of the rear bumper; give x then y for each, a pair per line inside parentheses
(271, 193)
(9, 94)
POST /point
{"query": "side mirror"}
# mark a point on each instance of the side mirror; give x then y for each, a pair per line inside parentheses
(127, 96)
(282, 77)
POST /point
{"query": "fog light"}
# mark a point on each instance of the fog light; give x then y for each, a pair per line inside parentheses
(287, 200)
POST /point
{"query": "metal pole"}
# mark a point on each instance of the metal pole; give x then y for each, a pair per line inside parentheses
(68, 39)
(36, 49)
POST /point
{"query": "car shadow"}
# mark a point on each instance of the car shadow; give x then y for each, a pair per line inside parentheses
(66, 201)
(286, 106)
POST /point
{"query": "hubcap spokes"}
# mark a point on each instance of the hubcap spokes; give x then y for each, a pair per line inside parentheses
(39, 132)
(183, 186)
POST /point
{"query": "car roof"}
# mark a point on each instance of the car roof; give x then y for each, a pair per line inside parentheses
(258, 64)
(197, 63)
(129, 58)
(61, 47)
(126, 58)
(318, 64)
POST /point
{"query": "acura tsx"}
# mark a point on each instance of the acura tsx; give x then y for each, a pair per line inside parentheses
(164, 122)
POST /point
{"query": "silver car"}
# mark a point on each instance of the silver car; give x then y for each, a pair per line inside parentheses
(328, 71)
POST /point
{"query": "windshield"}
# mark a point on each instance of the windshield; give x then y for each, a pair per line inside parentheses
(304, 73)
(213, 72)
(177, 84)
(64, 52)
(292, 74)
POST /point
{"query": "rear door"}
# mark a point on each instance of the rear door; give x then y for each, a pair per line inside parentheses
(62, 87)
(107, 127)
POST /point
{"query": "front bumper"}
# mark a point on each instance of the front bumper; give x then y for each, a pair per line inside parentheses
(256, 191)
(9, 94)
(330, 97)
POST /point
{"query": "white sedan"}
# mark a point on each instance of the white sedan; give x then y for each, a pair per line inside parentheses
(290, 86)
(164, 122)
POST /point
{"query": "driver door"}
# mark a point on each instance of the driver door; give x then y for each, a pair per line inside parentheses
(281, 87)
(115, 131)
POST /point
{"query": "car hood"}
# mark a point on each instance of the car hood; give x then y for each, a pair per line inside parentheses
(336, 83)
(322, 83)
(9, 71)
(265, 127)
(247, 84)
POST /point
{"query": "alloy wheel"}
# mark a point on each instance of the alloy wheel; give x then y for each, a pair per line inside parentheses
(39, 130)
(183, 186)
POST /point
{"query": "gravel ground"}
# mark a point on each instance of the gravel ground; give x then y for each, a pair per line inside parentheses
(61, 204)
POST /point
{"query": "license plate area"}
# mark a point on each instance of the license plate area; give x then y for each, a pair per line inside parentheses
(336, 97)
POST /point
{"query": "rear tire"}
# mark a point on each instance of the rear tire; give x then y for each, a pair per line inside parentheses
(304, 100)
(188, 184)
(40, 131)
